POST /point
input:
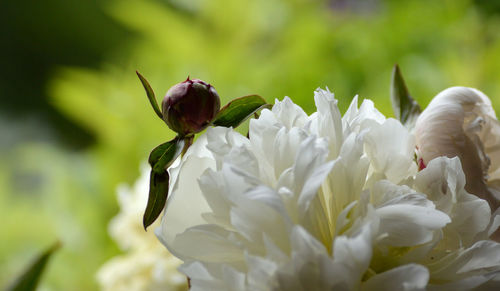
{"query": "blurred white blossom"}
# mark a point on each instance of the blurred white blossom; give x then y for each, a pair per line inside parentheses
(460, 122)
(145, 265)
(324, 202)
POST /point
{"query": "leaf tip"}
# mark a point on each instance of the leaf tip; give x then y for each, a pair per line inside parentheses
(396, 73)
(57, 245)
(145, 224)
(150, 94)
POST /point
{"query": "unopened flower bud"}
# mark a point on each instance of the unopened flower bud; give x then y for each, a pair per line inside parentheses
(190, 106)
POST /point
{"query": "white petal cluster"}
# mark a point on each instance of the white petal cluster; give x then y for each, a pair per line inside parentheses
(460, 122)
(324, 202)
(145, 266)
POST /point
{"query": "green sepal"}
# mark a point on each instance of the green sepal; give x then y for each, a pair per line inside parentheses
(239, 110)
(151, 94)
(406, 109)
(160, 159)
(29, 280)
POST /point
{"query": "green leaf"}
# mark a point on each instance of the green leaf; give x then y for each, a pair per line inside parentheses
(406, 109)
(160, 159)
(151, 94)
(28, 281)
(238, 110)
(158, 193)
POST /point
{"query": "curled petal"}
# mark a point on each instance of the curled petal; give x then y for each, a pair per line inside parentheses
(460, 122)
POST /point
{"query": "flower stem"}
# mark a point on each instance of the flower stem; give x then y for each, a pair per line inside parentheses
(188, 142)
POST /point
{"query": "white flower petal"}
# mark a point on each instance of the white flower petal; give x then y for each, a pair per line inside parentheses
(409, 225)
(354, 253)
(286, 147)
(145, 265)
(310, 170)
(329, 122)
(186, 202)
(407, 277)
(289, 114)
(476, 283)
(347, 177)
(217, 243)
(480, 259)
(390, 148)
(257, 219)
(322, 203)
(215, 277)
(460, 122)
(443, 181)
(357, 119)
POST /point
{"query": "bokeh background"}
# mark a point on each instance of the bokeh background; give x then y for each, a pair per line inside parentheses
(75, 122)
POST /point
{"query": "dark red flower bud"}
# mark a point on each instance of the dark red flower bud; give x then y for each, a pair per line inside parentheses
(190, 106)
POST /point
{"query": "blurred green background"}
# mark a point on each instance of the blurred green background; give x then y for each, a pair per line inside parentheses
(75, 122)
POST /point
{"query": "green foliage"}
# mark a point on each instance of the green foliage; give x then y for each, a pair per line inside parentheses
(231, 115)
(404, 106)
(238, 110)
(28, 281)
(151, 95)
(45, 193)
(160, 159)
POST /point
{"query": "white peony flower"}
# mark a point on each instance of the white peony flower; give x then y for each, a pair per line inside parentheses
(324, 202)
(460, 122)
(145, 266)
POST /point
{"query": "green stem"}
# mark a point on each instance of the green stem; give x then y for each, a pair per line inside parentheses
(188, 142)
